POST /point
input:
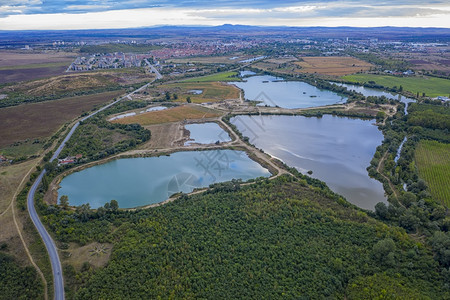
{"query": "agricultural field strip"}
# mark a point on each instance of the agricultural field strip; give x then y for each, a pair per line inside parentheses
(332, 65)
(431, 86)
(433, 162)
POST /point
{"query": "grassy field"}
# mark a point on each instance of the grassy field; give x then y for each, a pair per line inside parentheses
(212, 91)
(431, 86)
(433, 163)
(226, 76)
(96, 254)
(175, 114)
(332, 65)
(22, 149)
(10, 179)
(39, 120)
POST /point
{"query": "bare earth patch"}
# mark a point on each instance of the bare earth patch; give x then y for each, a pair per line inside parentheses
(96, 254)
(165, 135)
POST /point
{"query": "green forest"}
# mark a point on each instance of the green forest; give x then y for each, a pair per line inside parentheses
(18, 282)
(275, 238)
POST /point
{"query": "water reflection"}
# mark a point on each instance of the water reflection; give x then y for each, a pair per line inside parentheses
(338, 150)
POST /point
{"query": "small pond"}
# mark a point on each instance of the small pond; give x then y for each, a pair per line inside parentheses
(206, 133)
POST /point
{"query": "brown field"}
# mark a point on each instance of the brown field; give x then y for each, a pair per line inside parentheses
(15, 75)
(431, 63)
(38, 120)
(332, 65)
(77, 81)
(28, 65)
(16, 58)
(431, 60)
(175, 114)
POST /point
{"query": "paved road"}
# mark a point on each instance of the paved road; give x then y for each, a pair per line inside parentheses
(58, 281)
(154, 70)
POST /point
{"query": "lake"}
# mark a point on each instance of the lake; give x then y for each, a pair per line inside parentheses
(206, 133)
(274, 91)
(376, 92)
(135, 182)
(252, 59)
(338, 150)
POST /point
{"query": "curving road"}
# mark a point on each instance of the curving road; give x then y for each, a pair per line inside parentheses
(58, 281)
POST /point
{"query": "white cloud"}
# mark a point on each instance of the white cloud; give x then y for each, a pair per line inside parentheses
(87, 7)
(282, 16)
(297, 9)
(103, 20)
(6, 9)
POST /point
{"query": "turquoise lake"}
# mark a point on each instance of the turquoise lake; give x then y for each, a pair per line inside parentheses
(135, 182)
(274, 91)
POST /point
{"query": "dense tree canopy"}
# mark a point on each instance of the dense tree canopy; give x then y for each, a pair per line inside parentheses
(271, 239)
(18, 282)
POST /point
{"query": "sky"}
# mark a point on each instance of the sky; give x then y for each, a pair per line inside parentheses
(102, 14)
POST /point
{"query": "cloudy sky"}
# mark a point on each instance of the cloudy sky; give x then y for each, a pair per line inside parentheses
(90, 14)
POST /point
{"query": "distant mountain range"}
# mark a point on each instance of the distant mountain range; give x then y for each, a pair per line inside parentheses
(228, 30)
